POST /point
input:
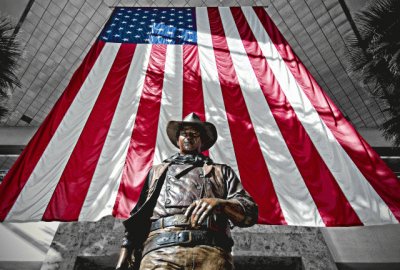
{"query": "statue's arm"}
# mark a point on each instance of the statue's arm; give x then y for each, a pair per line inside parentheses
(127, 252)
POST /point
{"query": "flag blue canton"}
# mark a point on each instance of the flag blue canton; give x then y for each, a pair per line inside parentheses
(151, 26)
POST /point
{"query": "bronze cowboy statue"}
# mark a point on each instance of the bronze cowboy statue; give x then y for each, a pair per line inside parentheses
(186, 208)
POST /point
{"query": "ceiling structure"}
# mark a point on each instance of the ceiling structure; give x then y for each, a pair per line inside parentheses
(56, 35)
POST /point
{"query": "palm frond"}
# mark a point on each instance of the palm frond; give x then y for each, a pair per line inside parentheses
(375, 58)
(10, 53)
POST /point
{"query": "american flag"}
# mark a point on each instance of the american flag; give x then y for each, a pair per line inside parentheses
(296, 154)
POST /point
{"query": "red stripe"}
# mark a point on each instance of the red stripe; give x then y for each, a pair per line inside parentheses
(252, 167)
(19, 174)
(141, 149)
(332, 204)
(381, 178)
(71, 190)
(193, 99)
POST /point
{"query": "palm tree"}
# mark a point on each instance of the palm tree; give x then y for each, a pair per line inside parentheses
(374, 58)
(9, 55)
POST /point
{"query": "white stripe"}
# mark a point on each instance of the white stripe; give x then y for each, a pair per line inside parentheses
(37, 192)
(103, 190)
(294, 198)
(370, 208)
(222, 151)
(171, 102)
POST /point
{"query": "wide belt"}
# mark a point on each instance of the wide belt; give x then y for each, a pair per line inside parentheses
(178, 221)
(187, 238)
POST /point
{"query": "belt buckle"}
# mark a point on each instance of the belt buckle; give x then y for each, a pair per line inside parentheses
(181, 237)
(181, 220)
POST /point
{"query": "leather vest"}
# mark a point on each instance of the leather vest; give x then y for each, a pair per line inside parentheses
(210, 180)
(184, 184)
(139, 214)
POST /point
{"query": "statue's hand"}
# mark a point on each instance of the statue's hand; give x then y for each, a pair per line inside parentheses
(199, 210)
(124, 260)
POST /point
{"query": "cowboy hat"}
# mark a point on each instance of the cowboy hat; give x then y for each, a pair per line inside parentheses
(208, 132)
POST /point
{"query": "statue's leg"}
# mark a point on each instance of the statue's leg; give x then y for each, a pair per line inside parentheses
(168, 258)
(200, 257)
(207, 257)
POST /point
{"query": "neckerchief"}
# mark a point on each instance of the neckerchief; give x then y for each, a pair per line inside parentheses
(197, 159)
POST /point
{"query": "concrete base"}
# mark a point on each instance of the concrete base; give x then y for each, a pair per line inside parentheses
(281, 247)
(95, 245)
(20, 265)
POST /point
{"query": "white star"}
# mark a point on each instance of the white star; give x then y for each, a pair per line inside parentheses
(109, 31)
(105, 38)
(180, 29)
(124, 22)
(134, 20)
(146, 39)
(189, 20)
(180, 11)
(136, 14)
(144, 17)
(125, 39)
(180, 36)
(180, 23)
(163, 11)
(113, 24)
(116, 35)
(140, 29)
(153, 14)
(120, 28)
(170, 33)
(128, 32)
(142, 22)
(146, 11)
(137, 36)
(119, 14)
(162, 17)
(126, 16)
(131, 25)
(190, 40)
(190, 26)
(152, 20)
(116, 19)
(190, 32)
(171, 20)
(180, 17)
(129, 11)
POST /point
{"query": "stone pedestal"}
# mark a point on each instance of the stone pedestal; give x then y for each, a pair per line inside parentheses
(281, 247)
(95, 245)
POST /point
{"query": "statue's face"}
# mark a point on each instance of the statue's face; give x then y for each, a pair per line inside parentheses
(189, 140)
